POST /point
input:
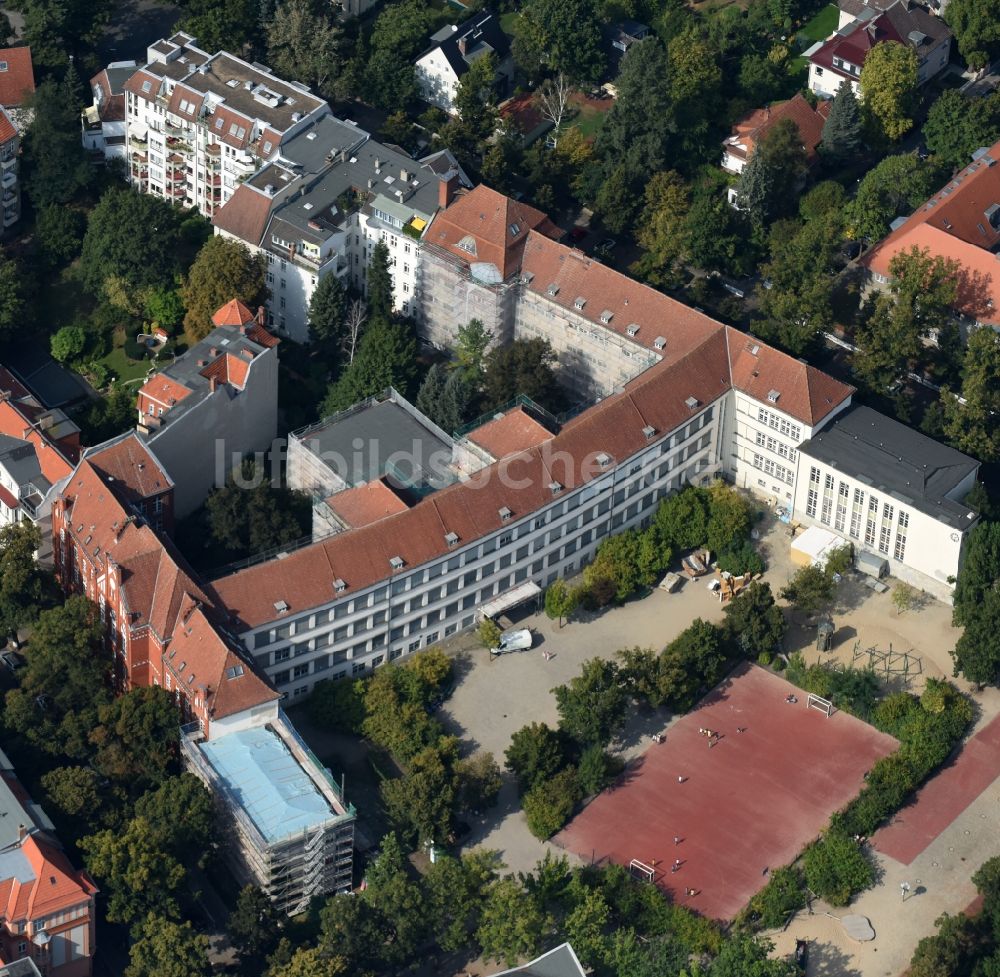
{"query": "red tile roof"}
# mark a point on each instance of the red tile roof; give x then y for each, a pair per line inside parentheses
(366, 503)
(137, 85)
(233, 313)
(131, 466)
(492, 226)
(193, 100)
(18, 81)
(112, 108)
(7, 128)
(749, 131)
(956, 224)
(245, 214)
(228, 369)
(221, 124)
(514, 431)
(54, 886)
(16, 422)
(163, 390)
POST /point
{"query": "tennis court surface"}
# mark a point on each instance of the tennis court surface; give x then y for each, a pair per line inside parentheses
(943, 798)
(752, 802)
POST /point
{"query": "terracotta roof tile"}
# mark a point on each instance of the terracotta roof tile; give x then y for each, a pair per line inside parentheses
(233, 313)
(18, 81)
(514, 431)
(193, 102)
(245, 214)
(144, 84)
(163, 390)
(230, 127)
(8, 130)
(53, 462)
(749, 131)
(366, 503)
(228, 369)
(134, 468)
(56, 886)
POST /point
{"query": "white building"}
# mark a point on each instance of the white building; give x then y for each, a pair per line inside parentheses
(453, 49)
(212, 407)
(17, 84)
(200, 124)
(320, 206)
(889, 490)
(103, 122)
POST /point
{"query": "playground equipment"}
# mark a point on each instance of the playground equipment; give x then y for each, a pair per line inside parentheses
(889, 663)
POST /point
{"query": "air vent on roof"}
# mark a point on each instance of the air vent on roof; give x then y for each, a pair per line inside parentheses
(555, 487)
(603, 459)
(649, 432)
(773, 395)
(580, 302)
(396, 562)
(233, 83)
(691, 402)
(451, 539)
(280, 606)
(659, 342)
(311, 136)
(505, 514)
(633, 329)
(606, 316)
(339, 585)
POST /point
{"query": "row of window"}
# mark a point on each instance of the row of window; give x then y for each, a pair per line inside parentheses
(779, 424)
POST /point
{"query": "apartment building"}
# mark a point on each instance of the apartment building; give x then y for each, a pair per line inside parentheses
(47, 905)
(103, 123)
(200, 124)
(17, 85)
(890, 490)
(751, 130)
(320, 205)
(213, 406)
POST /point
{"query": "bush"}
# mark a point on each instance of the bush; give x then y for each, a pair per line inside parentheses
(337, 704)
(489, 633)
(134, 350)
(598, 593)
(782, 896)
(741, 558)
(550, 805)
(535, 754)
(764, 658)
(836, 868)
(68, 343)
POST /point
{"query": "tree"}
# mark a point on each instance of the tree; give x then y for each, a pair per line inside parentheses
(253, 924)
(455, 891)
(729, 517)
(563, 35)
(380, 298)
(560, 601)
(59, 232)
(389, 80)
(68, 343)
(181, 813)
(951, 951)
(976, 25)
(980, 570)
(772, 178)
(889, 83)
(133, 238)
(896, 185)
(553, 99)
(306, 45)
(662, 228)
(489, 633)
(631, 560)
(310, 961)
(421, 804)
(692, 662)
(681, 521)
(585, 927)
(354, 325)
(73, 790)
(836, 868)
(957, 126)
(337, 704)
(525, 366)
(977, 652)
(386, 357)
(974, 426)
(398, 903)
(535, 754)
(57, 30)
(479, 781)
(25, 588)
(717, 235)
(137, 736)
(779, 899)
(754, 621)
(475, 99)
(471, 343)
(444, 397)
(228, 25)
(165, 307)
(137, 877)
(809, 589)
(223, 270)
(56, 167)
(163, 948)
(745, 954)
(903, 597)
(592, 706)
(328, 314)
(512, 923)
(842, 130)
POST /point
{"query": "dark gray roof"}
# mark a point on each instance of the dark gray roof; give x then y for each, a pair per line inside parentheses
(897, 460)
(52, 384)
(482, 35)
(20, 459)
(558, 962)
(118, 74)
(25, 967)
(856, 7)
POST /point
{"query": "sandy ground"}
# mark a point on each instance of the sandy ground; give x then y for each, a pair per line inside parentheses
(494, 699)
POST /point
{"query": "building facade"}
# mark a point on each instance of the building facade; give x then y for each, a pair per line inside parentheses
(103, 123)
(199, 124)
(213, 406)
(17, 84)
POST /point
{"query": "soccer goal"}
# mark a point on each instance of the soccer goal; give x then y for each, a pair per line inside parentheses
(640, 870)
(818, 702)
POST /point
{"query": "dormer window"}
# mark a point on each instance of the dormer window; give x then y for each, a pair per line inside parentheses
(339, 585)
(515, 229)
(649, 432)
(606, 316)
(281, 606)
(505, 514)
(234, 671)
(468, 243)
(604, 459)
(579, 303)
(659, 343)
(633, 329)
(397, 563)
(555, 487)
(552, 290)
(773, 395)
(451, 539)
(691, 402)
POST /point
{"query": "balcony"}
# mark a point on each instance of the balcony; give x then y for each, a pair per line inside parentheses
(9, 179)
(137, 142)
(176, 176)
(214, 149)
(8, 162)
(140, 158)
(10, 217)
(180, 190)
(179, 145)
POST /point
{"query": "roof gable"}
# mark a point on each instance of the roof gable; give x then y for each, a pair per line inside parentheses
(17, 76)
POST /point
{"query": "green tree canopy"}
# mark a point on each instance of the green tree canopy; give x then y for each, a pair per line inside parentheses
(836, 868)
(773, 176)
(549, 804)
(809, 590)
(976, 25)
(180, 812)
(512, 924)
(957, 126)
(977, 652)
(57, 29)
(563, 36)
(253, 924)
(25, 588)
(380, 299)
(974, 426)
(842, 130)
(328, 316)
(592, 705)
(980, 571)
(305, 44)
(223, 270)
(662, 228)
(421, 805)
(535, 754)
(889, 84)
(754, 621)
(227, 25)
(692, 663)
(163, 948)
(525, 366)
(895, 186)
(68, 343)
(475, 99)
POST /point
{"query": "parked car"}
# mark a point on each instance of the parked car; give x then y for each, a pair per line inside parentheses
(520, 639)
(12, 661)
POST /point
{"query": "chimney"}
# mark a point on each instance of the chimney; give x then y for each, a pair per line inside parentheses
(214, 351)
(212, 384)
(446, 190)
(22, 832)
(463, 46)
(404, 176)
(261, 316)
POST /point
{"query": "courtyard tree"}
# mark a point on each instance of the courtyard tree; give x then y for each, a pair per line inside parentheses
(976, 24)
(223, 270)
(512, 924)
(525, 366)
(471, 344)
(809, 590)
(980, 571)
(903, 597)
(889, 83)
(163, 948)
(561, 36)
(535, 754)
(479, 781)
(897, 185)
(306, 44)
(977, 651)
(592, 705)
(754, 621)
(379, 295)
(328, 309)
(836, 868)
(972, 422)
(26, 589)
(957, 126)
(455, 890)
(560, 600)
(661, 230)
(489, 633)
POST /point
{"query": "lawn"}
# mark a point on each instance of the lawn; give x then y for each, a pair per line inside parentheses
(589, 114)
(821, 26)
(507, 22)
(122, 367)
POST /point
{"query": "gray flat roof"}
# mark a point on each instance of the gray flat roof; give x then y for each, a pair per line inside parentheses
(381, 439)
(897, 460)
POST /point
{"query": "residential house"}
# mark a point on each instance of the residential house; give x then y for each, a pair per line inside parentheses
(200, 124)
(17, 84)
(321, 205)
(214, 406)
(960, 222)
(625, 33)
(103, 123)
(47, 905)
(852, 10)
(752, 129)
(840, 58)
(890, 490)
(453, 49)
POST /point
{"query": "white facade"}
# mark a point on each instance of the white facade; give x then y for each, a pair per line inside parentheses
(826, 83)
(437, 80)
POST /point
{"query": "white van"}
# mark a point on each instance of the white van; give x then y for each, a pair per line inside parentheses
(514, 640)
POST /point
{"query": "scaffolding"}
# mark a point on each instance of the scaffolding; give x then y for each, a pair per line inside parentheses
(888, 664)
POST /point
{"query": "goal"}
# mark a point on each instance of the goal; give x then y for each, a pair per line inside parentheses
(818, 702)
(640, 870)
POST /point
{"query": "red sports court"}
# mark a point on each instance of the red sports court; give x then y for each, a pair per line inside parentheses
(748, 804)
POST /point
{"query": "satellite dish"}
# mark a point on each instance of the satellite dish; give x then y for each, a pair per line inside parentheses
(485, 272)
